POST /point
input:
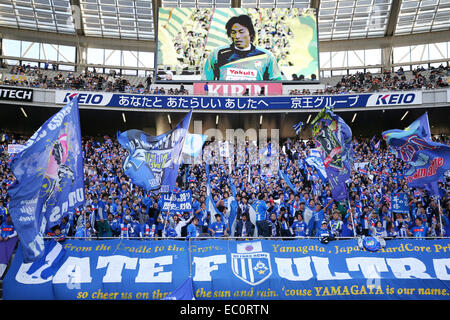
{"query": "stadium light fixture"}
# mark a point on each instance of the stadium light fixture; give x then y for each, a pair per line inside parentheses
(260, 119)
(24, 113)
(217, 120)
(354, 117)
(309, 118)
(123, 117)
(168, 118)
(404, 115)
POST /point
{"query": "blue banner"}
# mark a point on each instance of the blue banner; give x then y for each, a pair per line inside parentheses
(50, 179)
(178, 202)
(152, 162)
(400, 203)
(334, 138)
(427, 160)
(241, 103)
(229, 269)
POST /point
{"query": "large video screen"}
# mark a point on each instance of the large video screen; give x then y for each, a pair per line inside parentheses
(237, 44)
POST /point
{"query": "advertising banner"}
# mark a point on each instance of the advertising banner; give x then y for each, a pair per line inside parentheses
(229, 269)
(251, 103)
(238, 89)
(16, 94)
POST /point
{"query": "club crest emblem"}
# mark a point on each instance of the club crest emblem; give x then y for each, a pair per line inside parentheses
(250, 264)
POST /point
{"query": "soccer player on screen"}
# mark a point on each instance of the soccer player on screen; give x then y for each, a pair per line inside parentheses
(241, 60)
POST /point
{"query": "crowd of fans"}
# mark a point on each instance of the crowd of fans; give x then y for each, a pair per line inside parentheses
(88, 80)
(190, 41)
(387, 81)
(112, 82)
(115, 207)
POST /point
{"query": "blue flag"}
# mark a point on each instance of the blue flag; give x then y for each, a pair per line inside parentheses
(286, 179)
(153, 161)
(369, 243)
(315, 160)
(193, 144)
(400, 203)
(427, 160)
(334, 138)
(298, 127)
(50, 179)
(184, 292)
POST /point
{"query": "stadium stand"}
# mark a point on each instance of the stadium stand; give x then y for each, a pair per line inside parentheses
(380, 176)
(418, 78)
(285, 194)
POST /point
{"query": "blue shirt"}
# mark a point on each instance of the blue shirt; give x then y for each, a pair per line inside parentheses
(218, 228)
(65, 227)
(3, 212)
(300, 229)
(323, 232)
(192, 231)
(7, 230)
(170, 232)
(419, 232)
(202, 215)
(261, 210)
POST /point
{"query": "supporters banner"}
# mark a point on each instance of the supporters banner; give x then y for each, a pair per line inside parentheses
(237, 44)
(221, 269)
(334, 138)
(152, 162)
(238, 89)
(427, 161)
(215, 103)
(50, 179)
(177, 202)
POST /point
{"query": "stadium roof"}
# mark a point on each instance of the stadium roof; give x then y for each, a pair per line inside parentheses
(135, 19)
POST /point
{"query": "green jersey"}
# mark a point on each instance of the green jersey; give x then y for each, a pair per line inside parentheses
(231, 64)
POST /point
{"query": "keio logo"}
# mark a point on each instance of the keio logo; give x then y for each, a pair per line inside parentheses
(84, 98)
(396, 98)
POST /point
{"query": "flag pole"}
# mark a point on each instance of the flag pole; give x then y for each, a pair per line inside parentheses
(190, 257)
(440, 215)
(351, 214)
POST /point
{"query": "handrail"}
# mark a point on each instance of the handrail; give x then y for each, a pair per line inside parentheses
(234, 238)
